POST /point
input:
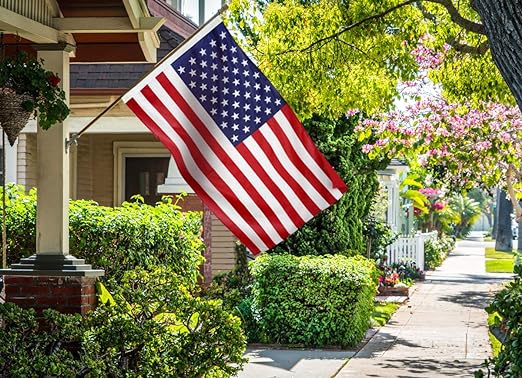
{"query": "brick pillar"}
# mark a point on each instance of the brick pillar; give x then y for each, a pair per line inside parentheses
(66, 294)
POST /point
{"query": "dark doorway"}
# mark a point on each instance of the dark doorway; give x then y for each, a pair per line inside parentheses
(143, 175)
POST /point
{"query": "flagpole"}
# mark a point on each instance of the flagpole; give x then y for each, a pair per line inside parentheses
(75, 136)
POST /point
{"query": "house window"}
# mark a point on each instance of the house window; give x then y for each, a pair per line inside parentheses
(139, 167)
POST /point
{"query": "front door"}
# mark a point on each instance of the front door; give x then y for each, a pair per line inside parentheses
(143, 175)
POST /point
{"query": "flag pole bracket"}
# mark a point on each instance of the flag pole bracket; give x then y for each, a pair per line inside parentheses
(72, 140)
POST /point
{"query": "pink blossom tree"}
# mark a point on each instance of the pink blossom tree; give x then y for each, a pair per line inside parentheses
(467, 145)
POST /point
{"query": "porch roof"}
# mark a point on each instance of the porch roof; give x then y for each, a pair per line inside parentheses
(100, 30)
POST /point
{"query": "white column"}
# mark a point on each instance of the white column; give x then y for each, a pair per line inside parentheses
(11, 160)
(174, 183)
(52, 219)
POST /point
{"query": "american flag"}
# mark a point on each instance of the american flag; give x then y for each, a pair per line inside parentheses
(235, 140)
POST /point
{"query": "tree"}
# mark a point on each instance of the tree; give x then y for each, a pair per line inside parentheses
(331, 55)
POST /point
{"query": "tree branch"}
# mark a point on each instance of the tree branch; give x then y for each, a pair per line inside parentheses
(467, 49)
(457, 18)
(453, 12)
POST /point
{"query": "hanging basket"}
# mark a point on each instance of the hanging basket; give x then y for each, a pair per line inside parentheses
(13, 117)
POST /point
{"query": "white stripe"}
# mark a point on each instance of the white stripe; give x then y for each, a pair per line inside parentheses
(175, 55)
(275, 175)
(216, 163)
(288, 163)
(224, 143)
(196, 173)
(305, 156)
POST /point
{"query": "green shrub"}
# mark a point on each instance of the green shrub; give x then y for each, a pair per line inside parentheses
(155, 328)
(312, 300)
(508, 304)
(435, 251)
(115, 239)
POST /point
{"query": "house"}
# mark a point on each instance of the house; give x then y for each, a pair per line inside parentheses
(118, 157)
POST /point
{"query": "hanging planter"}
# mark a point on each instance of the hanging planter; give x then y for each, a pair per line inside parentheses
(27, 88)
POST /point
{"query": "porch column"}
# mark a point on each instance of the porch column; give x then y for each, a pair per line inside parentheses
(52, 278)
(52, 216)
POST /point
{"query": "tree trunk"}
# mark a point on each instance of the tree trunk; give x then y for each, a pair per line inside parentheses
(504, 240)
(502, 21)
(494, 231)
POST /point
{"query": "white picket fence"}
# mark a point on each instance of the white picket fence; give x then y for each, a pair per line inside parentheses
(409, 249)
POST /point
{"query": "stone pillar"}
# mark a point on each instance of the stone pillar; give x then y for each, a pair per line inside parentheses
(52, 278)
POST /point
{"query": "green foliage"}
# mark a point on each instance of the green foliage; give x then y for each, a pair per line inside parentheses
(508, 305)
(114, 239)
(435, 251)
(339, 229)
(155, 327)
(359, 69)
(378, 236)
(234, 289)
(468, 211)
(27, 352)
(312, 300)
(26, 76)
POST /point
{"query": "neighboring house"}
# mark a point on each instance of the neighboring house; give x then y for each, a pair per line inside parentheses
(118, 157)
(407, 248)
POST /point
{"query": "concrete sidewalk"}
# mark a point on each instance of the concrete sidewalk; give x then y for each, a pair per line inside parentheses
(442, 331)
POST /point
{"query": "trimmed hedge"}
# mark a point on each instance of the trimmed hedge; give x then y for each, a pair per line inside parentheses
(312, 300)
(436, 251)
(115, 239)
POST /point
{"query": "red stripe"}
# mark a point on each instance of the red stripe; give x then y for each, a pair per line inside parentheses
(223, 155)
(213, 206)
(271, 185)
(206, 168)
(293, 156)
(294, 185)
(312, 149)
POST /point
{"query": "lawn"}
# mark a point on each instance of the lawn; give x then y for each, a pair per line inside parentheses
(498, 261)
(382, 313)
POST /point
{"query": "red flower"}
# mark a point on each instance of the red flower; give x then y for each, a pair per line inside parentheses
(53, 80)
(438, 206)
(416, 211)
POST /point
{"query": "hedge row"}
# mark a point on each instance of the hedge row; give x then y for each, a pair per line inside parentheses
(312, 300)
(115, 239)
(436, 251)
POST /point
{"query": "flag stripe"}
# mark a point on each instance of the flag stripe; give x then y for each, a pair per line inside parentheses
(280, 177)
(223, 151)
(301, 159)
(193, 182)
(287, 175)
(215, 173)
(297, 220)
(317, 156)
(295, 167)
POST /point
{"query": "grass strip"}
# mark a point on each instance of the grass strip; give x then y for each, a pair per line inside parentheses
(382, 313)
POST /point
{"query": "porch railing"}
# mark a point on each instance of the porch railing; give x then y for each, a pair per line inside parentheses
(409, 249)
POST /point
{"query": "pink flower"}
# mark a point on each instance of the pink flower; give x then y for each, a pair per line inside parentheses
(437, 206)
(351, 112)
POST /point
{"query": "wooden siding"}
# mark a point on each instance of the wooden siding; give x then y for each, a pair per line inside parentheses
(26, 166)
(223, 248)
(96, 164)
